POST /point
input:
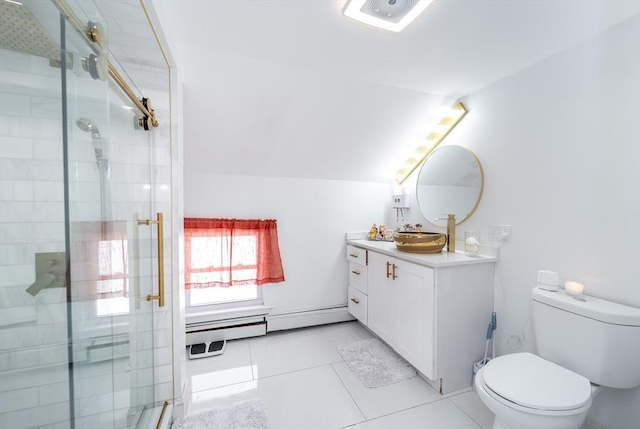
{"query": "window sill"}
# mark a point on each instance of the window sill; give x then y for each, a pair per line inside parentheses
(195, 315)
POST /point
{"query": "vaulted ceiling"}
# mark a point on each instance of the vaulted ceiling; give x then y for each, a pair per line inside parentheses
(295, 89)
(454, 48)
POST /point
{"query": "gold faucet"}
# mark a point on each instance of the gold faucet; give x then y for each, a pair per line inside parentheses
(451, 231)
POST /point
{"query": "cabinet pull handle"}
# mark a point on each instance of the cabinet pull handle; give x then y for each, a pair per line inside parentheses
(356, 300)
(393, 275)
(388, 266)
(353, 255)
(356, 272)
(158, 223)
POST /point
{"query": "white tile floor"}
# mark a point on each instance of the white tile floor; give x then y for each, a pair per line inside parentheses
(305, 385)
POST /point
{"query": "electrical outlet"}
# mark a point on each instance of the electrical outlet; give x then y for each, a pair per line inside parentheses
(499, 232)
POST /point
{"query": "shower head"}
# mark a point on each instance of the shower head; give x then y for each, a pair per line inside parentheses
(20, 31)
(88, 126)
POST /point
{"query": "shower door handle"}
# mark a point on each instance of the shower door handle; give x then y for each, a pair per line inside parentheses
(158, 223)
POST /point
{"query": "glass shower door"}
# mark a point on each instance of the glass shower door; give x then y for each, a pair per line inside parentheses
(133, 203)
(111, 255)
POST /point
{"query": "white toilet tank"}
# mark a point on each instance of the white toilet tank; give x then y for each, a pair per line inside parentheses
(597, 339)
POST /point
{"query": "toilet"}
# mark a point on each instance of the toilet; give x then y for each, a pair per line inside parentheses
(583, 344)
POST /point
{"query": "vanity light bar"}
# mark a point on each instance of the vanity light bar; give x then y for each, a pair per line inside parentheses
(447, 123)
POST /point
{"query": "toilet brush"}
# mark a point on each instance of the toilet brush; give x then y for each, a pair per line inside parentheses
(486, 347)
(485, 359)
(493, 324)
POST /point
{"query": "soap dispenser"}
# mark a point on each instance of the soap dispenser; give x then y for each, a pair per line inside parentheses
(451, 233)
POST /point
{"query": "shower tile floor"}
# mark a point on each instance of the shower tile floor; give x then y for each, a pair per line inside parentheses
(306, 385)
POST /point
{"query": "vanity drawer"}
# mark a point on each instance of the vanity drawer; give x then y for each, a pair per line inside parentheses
(358, 277)
(357, 255)
(358, 305)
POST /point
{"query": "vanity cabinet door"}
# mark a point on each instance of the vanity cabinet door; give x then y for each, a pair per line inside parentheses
(401, 308)
(382, 303)
(415, 319)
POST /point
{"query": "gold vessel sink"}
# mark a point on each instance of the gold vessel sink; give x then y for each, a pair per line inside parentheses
(420, 242)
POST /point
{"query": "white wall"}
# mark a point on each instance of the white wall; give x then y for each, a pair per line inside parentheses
(269, 119)
(559, 143)
(300, 146)
(313, 216)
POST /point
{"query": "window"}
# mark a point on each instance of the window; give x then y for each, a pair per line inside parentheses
(228, 259)
(242, 273)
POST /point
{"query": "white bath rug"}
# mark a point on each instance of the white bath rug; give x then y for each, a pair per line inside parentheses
(375, 363)
(250, 414)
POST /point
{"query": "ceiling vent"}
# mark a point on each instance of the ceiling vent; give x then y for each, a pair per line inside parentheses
(391, 15)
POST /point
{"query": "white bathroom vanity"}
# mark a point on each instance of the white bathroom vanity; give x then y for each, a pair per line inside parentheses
(433, 309)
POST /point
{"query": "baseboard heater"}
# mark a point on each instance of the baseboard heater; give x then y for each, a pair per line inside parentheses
(209, 332)
(204, 333)
(305, 318)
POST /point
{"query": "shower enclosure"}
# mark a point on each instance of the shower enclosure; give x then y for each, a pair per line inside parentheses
(83, 342)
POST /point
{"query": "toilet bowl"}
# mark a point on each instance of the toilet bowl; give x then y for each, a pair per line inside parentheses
(525, 391)
(582, 344)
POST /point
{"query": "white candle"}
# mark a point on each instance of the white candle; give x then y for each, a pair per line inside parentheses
(574, 288)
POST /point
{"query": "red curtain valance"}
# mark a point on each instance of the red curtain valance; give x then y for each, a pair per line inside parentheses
(231, 252)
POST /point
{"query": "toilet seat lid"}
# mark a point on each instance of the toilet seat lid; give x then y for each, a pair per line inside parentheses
(533, 382)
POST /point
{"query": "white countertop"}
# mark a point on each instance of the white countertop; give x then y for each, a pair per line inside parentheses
(433, 260)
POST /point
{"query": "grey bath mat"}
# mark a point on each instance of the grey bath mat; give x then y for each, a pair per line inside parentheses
(375, 363)
(249, 414)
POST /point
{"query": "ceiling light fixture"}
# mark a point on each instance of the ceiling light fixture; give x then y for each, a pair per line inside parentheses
(391, 15)
(445, 126)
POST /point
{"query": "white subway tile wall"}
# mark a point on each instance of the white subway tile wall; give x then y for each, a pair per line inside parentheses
(33, 350)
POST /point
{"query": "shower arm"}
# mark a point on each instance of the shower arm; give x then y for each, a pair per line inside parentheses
(92, 36)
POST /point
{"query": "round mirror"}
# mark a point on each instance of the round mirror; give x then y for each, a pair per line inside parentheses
(450, 181)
